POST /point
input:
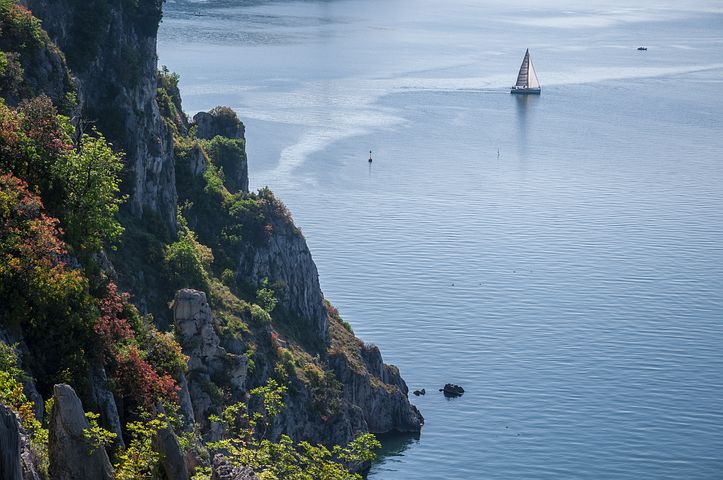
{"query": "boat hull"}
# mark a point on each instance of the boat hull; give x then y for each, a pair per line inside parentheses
(525, 91)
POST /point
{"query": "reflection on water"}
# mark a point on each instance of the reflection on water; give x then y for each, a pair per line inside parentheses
(395, 444)
(524, 107)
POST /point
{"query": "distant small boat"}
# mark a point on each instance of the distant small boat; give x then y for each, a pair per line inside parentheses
(527, 82)
(370, 156)
(642, 48)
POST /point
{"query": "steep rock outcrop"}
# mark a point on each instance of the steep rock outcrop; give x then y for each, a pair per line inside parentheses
(111, 48)
(223, 470)
(33, 65)
(70, 457)
(173, 461)
(285, 260)
(10, 461)
(379, 392)
(17, 459)
(102, 401)
(301, 420)
(219, 122)
(207, 359)
(229, 151)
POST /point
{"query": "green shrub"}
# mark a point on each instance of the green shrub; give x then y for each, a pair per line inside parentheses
(247, 444)
(266, 297)
(259, 315)
(187, 261)
(90, 179)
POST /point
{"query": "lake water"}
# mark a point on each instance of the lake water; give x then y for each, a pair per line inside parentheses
(559, 256)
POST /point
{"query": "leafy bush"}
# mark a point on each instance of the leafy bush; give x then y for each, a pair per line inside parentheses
(34, 279)
(247, 443)
(12, 396)
(90, 176)
(229, 155)
(96, 436)
(138, 380)
(259, 315)
(80, 184)
(266, 297)
(139, 461)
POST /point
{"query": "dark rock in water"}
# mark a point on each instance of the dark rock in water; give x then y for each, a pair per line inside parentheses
(452, 390)
(420, 392)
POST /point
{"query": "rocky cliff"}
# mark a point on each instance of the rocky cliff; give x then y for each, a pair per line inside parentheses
(111, 49)
(224, 271)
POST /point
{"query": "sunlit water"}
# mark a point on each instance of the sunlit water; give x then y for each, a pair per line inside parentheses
(560, 256)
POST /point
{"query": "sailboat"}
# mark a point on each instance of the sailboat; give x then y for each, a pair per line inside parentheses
(527, 82)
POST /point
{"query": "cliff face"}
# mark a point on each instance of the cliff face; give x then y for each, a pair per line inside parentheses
(111, 49)
(285, 261)
(244, 294)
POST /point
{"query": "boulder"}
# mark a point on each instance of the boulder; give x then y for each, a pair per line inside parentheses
(70, 457)
(452, 390)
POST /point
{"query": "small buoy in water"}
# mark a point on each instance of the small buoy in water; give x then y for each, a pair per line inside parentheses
(370, 156)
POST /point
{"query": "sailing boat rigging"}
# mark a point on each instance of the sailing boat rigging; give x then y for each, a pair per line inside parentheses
(527, 82)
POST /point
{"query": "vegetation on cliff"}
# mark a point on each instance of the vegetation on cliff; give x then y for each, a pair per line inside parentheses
(266, 372)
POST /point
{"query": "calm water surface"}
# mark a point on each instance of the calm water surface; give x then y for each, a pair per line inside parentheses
(572, 282)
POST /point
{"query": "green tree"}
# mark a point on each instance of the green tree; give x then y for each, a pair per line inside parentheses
(139, 461)
(90, 177)
(247, 443)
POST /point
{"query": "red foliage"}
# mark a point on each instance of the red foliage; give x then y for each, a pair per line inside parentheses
(40, 121)
(111, 326)
(136, 378)
(29, 240)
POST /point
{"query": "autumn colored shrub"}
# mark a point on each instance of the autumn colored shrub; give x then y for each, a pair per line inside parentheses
(142, 373)
(80, 182)
(137, 379)
(37, 289)
(111, 326)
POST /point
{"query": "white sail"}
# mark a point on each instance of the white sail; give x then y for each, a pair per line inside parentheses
(527, 81)
(533, 82)
(523, 76)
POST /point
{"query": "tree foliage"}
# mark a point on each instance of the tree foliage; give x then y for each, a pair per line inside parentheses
(90, 176)
(80, 183)
(248, 443)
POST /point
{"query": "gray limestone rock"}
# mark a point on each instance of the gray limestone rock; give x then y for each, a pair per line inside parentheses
(207, 360)
(285, 260)
(70, 457)
(173, 461)
(103, 401)
(218, 122)
(115, 70)
(10, 461)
